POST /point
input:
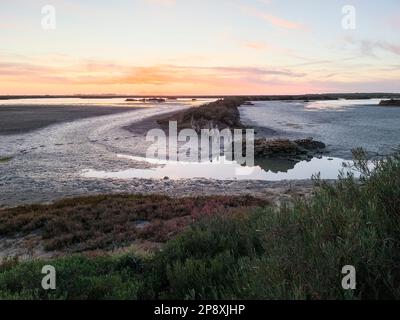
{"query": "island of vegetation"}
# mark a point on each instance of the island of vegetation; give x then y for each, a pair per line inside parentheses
(224, 114)
(390, 103)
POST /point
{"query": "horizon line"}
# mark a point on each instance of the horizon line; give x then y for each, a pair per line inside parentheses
(86, 95)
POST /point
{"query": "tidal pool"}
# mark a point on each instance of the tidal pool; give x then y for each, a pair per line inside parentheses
(268, 170)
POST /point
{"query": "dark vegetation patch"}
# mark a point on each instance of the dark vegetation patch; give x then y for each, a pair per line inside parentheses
(220, 114)
(224, 114)
(78, 278)
(390, 103)
(284, 148)
(5, 159)
(111, 221)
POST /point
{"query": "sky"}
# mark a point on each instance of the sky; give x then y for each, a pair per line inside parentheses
(199, 47)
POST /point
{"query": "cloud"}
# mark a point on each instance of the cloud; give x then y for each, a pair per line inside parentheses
(108, 76)
(255, 45)
(172, 74)
(274, 20)
(370, 47)
(17, 69)
(270, 47)
(49, 76)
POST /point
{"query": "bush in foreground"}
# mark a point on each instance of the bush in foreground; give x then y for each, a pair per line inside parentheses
(292, 252)
(78, 278)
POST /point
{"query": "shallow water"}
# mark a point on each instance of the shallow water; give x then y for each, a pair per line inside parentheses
(342, 124)
(328, 168)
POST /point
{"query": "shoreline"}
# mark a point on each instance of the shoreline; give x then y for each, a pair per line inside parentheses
(25, 119)
(276, 191)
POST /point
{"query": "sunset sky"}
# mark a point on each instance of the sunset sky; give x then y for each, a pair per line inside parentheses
(199, 47)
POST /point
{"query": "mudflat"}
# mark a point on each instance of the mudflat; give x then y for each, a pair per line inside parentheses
(23, 119)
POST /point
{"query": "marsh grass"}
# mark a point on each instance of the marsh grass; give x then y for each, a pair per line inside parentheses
(220, 114)
(111, 221)
(291, 252)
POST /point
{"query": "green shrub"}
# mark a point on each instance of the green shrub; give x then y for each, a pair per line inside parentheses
(294, 252)
(77, 277)
(199, 262)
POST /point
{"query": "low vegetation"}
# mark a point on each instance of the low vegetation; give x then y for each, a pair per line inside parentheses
(296, 150)
(78, 277)
(112, 221)
(291, 252)
(220, 114)
(294, 252)
(390, 103)
(224, 114)
(5, 159)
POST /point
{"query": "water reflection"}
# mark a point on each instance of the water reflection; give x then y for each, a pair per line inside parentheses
(275, 165)
(267, 170)
(340, 105)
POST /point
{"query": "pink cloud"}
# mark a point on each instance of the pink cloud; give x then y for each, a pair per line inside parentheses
(98, 76)
(274, 20)
(255, 45)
